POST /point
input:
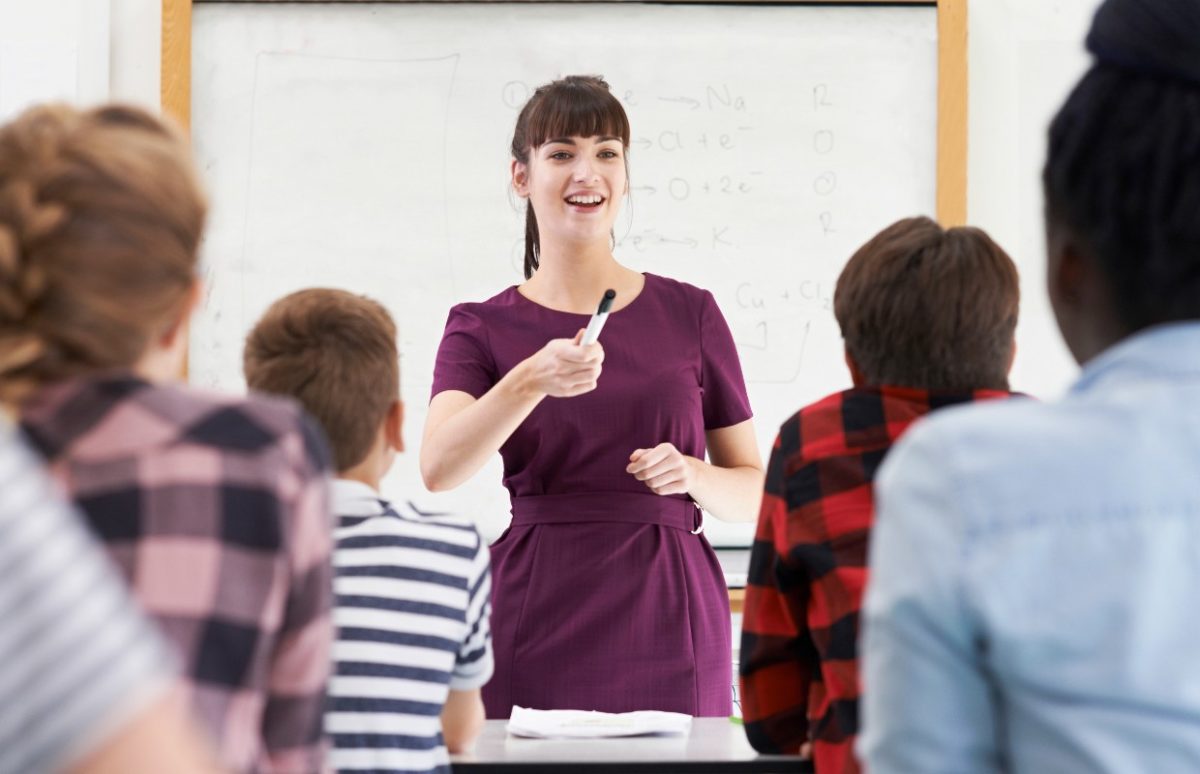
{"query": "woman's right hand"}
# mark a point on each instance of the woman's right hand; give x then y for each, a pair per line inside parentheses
(462, 432)
(565, 368)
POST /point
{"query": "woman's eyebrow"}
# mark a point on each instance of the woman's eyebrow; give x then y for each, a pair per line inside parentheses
(570, 141)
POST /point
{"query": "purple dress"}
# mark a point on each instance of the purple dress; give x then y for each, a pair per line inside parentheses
(603, 598)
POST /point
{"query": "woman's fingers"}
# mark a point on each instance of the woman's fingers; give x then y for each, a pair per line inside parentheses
(644, 459)
(579, 388)
(644, 471)
(569, 370)
(671, 482)
(592, 353)
(663, 469)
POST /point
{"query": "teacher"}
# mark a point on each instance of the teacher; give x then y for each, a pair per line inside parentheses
(606, 596)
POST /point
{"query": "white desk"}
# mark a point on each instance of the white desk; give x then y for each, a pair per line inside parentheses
(715, 746)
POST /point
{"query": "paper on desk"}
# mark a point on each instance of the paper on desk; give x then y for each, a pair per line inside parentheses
(577, 724)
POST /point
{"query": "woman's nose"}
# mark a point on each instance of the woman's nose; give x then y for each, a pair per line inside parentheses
(584, 171)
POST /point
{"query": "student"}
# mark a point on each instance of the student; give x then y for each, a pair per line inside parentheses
(84, 681)
(1034, 565)
(413, 642)
(928, 316)
(606, 597)
(214, 508)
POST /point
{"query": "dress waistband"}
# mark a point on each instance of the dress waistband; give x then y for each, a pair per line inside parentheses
(607, 506)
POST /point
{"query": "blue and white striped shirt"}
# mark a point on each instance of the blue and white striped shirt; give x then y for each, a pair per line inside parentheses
(77, 660)
(412, 599)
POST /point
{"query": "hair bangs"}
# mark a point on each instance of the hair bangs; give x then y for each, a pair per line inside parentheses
(576, 110)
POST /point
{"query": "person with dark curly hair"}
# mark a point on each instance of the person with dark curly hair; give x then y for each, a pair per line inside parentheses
(1033, 565)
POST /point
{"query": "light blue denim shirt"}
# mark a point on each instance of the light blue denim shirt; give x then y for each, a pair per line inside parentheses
(1034, 600)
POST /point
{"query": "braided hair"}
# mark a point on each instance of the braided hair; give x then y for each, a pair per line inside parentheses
(101, 216)
(1122, 173)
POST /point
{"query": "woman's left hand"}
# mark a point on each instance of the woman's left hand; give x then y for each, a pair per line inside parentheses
(664, 469)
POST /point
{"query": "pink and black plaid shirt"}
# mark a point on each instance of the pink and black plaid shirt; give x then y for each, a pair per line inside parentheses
(216, 510)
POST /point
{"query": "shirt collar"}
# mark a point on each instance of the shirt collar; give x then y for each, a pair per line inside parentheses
(1169, 351)
(354, 498)
(872, 418)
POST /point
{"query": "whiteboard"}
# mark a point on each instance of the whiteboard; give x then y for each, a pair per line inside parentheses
(366, 147)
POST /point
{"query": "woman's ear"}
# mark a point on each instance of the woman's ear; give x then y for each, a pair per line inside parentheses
(520, 178)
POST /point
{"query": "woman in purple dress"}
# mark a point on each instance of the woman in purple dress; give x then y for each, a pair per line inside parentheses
(606, 596)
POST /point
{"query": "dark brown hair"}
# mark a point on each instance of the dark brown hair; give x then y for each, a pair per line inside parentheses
(575, 106)
(1122, 172)
(101, 216)
(927, 307)
(335, 353)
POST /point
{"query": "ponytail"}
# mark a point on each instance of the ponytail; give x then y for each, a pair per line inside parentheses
(533, 247)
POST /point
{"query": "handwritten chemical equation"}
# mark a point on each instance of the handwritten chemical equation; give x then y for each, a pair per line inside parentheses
(717, 238)
(674, 140)
(773, 298)
(683, 188)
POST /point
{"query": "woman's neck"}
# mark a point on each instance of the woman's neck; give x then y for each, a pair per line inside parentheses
(571, 279)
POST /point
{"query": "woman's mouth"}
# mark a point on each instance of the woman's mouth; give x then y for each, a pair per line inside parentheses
(585, 201)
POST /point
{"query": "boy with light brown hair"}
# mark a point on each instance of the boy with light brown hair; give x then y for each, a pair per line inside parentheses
(412, 591)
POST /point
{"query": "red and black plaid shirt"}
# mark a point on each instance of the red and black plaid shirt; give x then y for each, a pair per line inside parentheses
(799, 666)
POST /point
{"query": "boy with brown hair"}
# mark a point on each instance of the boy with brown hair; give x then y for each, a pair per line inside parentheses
(927, 315)
(412, 591)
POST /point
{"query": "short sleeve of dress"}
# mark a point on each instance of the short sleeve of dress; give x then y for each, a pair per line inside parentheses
(724, 389)
(464, 359)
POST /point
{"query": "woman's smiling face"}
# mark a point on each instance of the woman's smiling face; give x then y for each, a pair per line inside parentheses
(575, 185)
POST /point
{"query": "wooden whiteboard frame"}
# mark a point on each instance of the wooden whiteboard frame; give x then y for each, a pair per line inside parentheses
(951, 100)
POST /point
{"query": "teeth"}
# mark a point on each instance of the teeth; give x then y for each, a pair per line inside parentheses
(593, 199)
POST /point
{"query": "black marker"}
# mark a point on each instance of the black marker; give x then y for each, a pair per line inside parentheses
(597, 322)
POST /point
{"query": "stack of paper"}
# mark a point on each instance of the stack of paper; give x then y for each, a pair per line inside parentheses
(577, 724)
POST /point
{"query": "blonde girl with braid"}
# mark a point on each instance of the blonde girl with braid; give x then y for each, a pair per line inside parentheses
(213, 507)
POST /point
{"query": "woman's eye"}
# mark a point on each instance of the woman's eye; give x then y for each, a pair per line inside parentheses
(608, 154)
(560, 155)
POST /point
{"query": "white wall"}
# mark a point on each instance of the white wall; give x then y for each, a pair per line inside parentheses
(52, 50)
(135, 51)
(1024, 57)
(84, 51)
